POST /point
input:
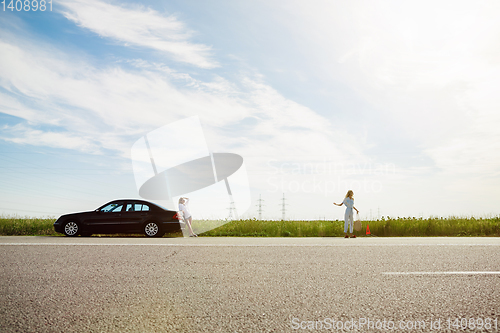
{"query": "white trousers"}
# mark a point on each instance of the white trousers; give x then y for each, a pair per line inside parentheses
(348, 219)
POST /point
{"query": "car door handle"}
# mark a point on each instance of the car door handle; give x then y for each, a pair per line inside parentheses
(118, 214)
(144, 214)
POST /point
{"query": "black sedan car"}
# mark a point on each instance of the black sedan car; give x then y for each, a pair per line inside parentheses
(120, 216)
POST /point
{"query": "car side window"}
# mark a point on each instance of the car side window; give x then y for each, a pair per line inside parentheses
(141, 207)
(112, 208)
(130, 208)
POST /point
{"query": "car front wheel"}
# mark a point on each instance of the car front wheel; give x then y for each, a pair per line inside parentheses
(152, 229)
(71, 229)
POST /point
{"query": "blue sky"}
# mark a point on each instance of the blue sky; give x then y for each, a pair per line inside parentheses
(394, 100)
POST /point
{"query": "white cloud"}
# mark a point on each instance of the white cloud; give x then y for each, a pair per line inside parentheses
(22, 134)
(430, 68)
(139, 26)
(109, 108)
(11, 106)
(95, 110)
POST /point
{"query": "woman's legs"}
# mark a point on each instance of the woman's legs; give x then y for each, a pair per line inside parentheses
(188, 222)
(348, 221)
(351, 222)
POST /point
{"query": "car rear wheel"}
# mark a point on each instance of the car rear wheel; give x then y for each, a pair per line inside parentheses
(152, 229)
(71, 229)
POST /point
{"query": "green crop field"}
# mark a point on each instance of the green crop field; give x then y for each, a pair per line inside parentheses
(10, 226)
(385, 227)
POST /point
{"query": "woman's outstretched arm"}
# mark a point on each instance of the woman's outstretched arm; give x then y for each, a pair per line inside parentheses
(340, 204)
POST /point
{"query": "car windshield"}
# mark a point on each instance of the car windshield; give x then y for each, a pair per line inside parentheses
(112, 207)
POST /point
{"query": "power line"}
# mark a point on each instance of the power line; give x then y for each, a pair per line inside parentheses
(57, 172)
(31, 211)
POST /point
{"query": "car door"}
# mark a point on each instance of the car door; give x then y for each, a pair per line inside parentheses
(134, 215)
(108, 219)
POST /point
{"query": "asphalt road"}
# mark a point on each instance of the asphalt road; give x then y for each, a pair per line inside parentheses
(60, 284)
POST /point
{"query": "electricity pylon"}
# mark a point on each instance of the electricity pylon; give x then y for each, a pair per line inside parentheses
(260, 206)
(283, 209)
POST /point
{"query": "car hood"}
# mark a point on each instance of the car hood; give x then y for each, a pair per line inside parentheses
(81, 214)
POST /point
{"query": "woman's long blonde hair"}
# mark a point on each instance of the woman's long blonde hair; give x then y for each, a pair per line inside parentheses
(349, 194)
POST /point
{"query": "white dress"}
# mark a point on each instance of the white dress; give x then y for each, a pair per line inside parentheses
(349, 215)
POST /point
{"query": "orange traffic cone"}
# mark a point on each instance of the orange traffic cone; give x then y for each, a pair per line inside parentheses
(368, 230)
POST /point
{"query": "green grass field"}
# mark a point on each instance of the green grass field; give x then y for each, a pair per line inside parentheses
(385, 227)
(10, 226)
(400, 227)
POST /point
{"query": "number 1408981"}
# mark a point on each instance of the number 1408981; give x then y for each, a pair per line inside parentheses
(27, 5)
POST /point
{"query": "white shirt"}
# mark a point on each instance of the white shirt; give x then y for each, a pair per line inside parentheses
(349, 203)
(183, 208)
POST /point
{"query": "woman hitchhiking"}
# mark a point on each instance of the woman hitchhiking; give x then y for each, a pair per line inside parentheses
(348, 216)
(183, 202)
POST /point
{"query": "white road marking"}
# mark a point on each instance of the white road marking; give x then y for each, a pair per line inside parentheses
(238, 245)
(444, 273)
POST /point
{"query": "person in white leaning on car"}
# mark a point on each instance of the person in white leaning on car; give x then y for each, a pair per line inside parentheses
(188, 218)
